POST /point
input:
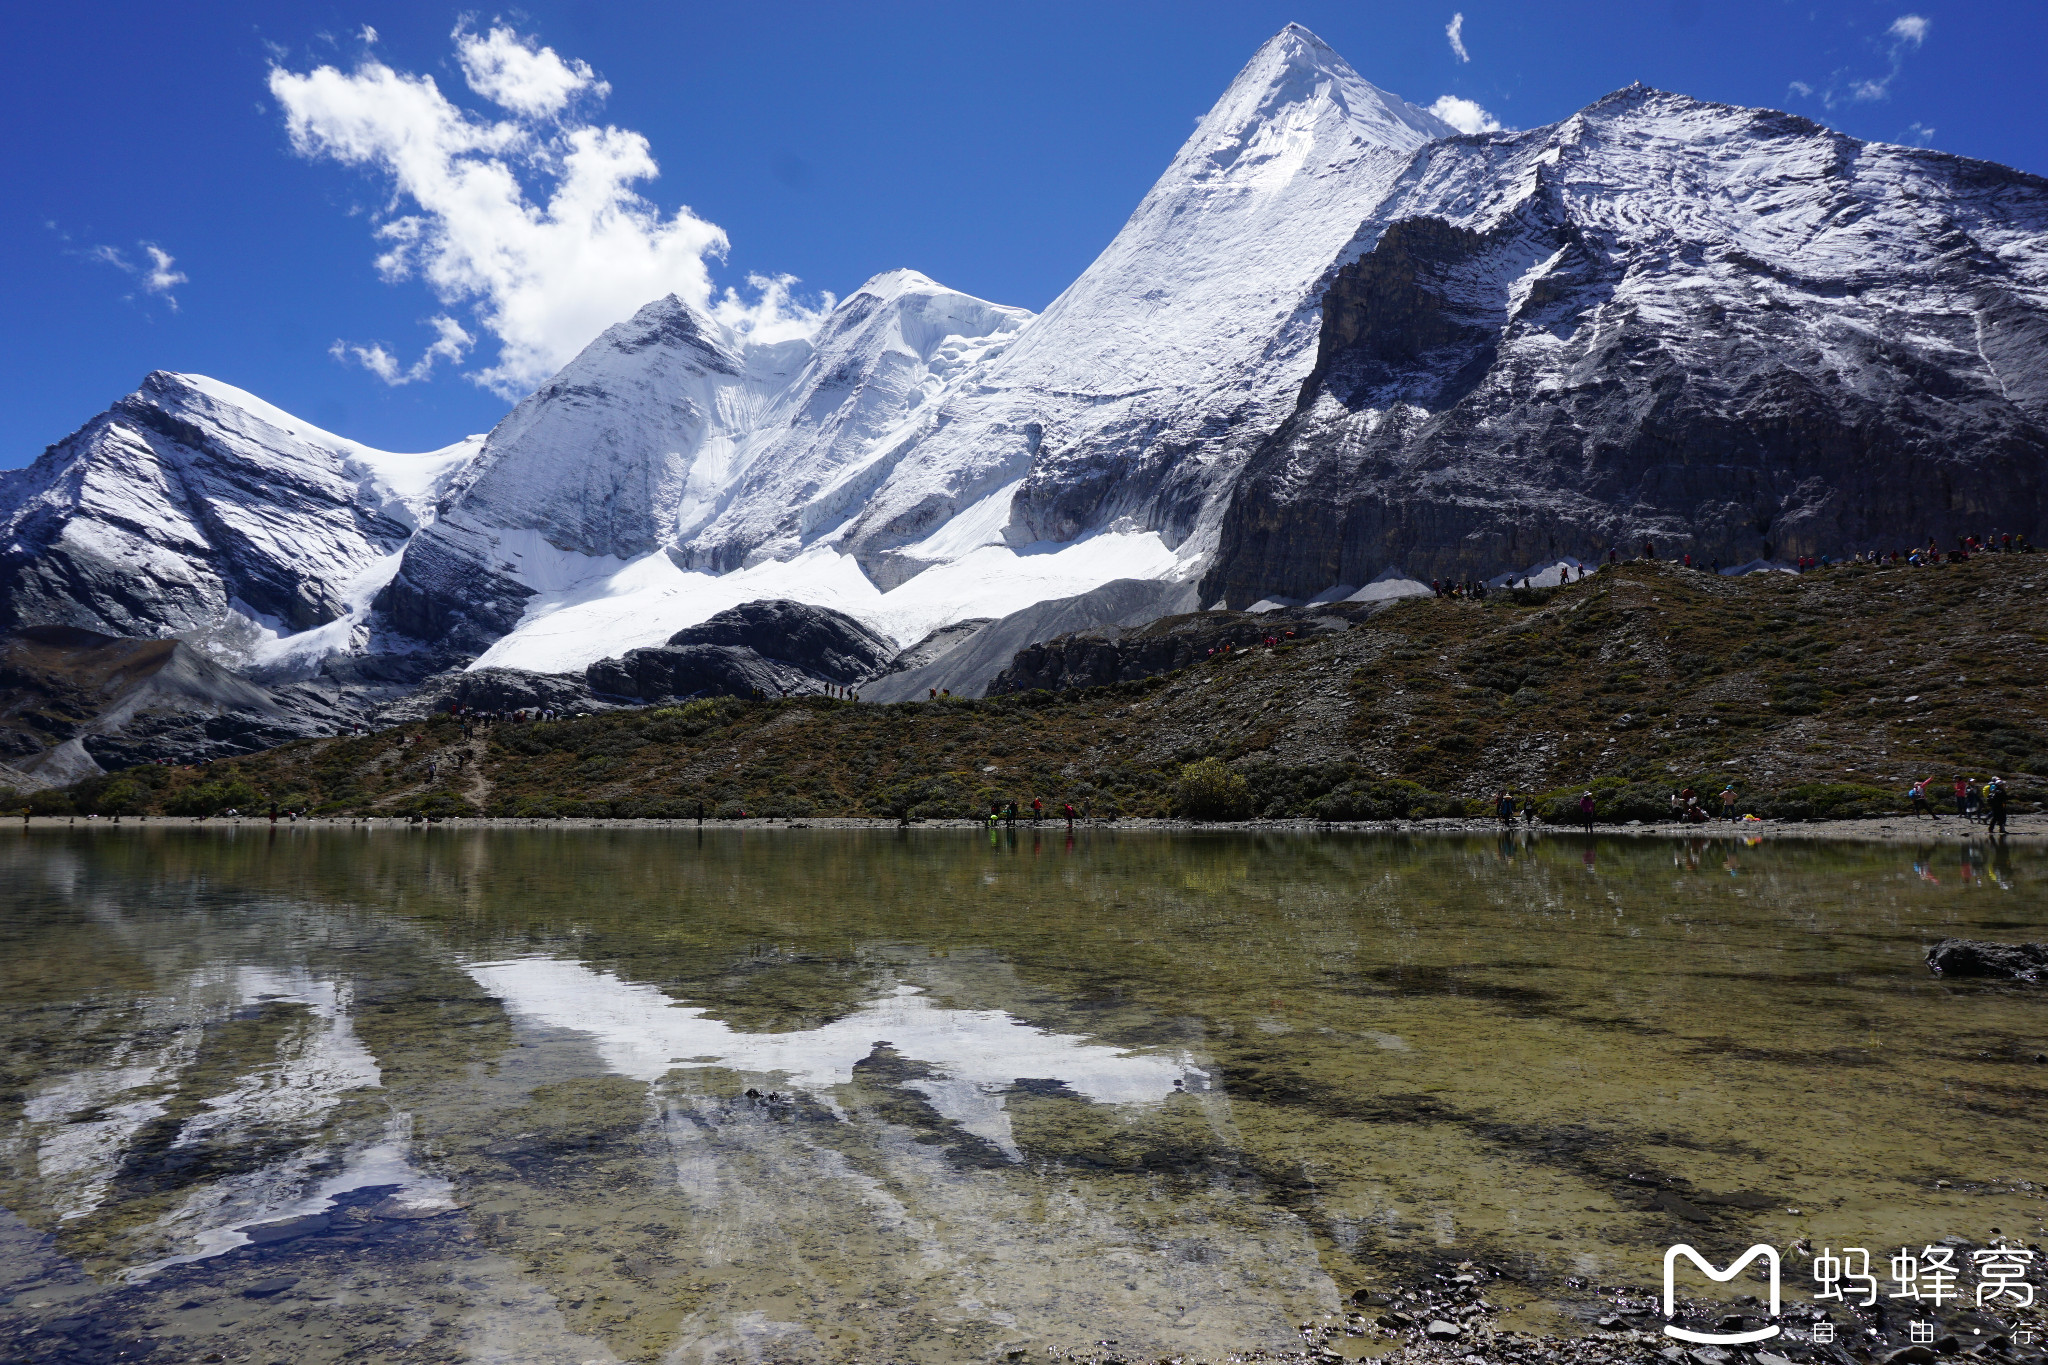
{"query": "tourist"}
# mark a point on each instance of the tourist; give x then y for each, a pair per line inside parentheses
(1917, 794)
(1728, 802)
(1586, 810)
(1962, 794)
(1504, 809)
(1994, 797)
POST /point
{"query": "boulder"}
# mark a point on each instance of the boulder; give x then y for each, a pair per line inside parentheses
(683, 671)
(827, 645)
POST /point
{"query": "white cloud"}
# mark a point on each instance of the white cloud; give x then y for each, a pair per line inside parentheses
(1800, 88)
(451, 344)
(1922, 134)
(511, 71)
(157, 276)
(1909, 28)
(774, 315)
(1455, 31)
(1464, 115)
(534, 223)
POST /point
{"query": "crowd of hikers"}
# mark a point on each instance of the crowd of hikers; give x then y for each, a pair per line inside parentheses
(1977, 802)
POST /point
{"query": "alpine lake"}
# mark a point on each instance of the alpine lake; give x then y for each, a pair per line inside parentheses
(341, 1093)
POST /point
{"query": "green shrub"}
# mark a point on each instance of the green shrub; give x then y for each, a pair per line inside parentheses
(1827, 801)
(122, 797)
(50, 801)
(1388, 799)
(1209, 790)
(928, 798)
(211, 798)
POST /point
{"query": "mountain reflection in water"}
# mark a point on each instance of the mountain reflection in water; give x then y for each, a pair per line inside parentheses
(641, 1095)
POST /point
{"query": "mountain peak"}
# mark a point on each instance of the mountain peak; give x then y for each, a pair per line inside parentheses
(892, 284)
(1297, 81)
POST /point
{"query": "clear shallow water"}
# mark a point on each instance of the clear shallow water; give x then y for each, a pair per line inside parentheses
(328, 1094)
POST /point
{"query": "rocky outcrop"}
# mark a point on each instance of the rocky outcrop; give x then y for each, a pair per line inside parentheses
(826, 644)
(2005, 961)
(677, 672)
(966, 668)
(774, 647)
(937, 645)
(496, 689)
(75, 702)
(1730, 332)
(1111, 654)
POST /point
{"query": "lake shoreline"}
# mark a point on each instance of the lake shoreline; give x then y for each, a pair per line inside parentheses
(2027, 829)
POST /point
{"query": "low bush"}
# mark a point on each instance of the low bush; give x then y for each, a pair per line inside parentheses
(1209, 790)
(1385, 799)
(211, 798)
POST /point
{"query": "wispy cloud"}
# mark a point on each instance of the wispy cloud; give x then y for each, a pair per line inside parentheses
(1909, 28)
(1464, 115)
(1455, 31)
(1906, 34)
(533, 221)
(1922, 134)
(156, 273)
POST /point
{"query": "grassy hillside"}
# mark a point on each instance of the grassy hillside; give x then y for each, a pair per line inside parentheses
(1822, 694)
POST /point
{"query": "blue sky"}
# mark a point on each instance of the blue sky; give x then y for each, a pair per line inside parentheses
(160, 214)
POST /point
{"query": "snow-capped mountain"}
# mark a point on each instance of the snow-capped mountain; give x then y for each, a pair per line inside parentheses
(1134, 399)
(1336, 345)
(1730, 332)
(878, 361)
(932, 457)
(193, 509)
(601, 512)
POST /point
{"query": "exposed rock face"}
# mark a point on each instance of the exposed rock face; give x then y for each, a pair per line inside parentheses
(771, 646)
(2007, 961)
(936, 645)
(966, 668)
(495, 689)
(1110, 654)
(684, 671)
(824, 643)
(192, 509)
(1729, 332)
(76, 702)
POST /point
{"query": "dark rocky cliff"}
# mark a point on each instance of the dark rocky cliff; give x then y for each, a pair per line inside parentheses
(1727, 331)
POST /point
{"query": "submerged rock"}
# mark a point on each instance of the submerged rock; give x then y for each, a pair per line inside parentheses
(1973, 957)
